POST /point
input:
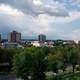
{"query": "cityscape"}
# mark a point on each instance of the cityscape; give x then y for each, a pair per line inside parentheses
(39, 39)
(14, 40)
(58, 58)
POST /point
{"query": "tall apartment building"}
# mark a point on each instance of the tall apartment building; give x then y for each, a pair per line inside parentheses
(14, 37)
(42, 38)
(0, 37)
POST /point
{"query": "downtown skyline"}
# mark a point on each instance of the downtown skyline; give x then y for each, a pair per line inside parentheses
(57, 19)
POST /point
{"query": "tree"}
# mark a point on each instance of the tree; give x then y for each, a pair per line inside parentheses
(65, 54)
(30, 63)
(40, 65)
(6, 56)
(74, 57)
(54, 62)
(22, 65)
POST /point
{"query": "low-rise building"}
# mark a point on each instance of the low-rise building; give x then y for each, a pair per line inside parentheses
(11, 45)
(35, 43)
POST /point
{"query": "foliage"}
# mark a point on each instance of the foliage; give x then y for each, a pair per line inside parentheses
(6, 56)
(33, 62)
(30, 63)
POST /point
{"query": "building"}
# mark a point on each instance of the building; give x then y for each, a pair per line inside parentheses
(41, 38)
(14, 37)
(35, 43)
(69, 42)
(0, 37)
(11, 45)
(64, 42)
(58, 42)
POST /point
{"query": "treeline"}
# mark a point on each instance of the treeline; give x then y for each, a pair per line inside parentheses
(32, 63)
(6, 57)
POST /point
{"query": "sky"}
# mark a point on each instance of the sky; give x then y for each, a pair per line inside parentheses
(57, 19)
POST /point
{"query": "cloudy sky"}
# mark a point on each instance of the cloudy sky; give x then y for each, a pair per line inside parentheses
(58, 19)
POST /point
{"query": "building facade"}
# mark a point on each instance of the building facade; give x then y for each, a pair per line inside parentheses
(14, 37)
(41, 38)
(0, 37)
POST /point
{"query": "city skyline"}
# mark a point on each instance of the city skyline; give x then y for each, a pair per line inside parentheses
(13, 36)
(57, 19)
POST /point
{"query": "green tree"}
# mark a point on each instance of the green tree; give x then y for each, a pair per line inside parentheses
(54, 62)
(74, 57)
(22, 65)
(31, 63)
(40, 65)
(6, 56)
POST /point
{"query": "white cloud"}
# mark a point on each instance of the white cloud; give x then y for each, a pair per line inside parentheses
(6, 9)
(37, 2)
(22, 17)
(73, 35)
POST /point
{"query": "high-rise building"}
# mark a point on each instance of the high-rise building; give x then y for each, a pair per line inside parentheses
(0, 37)
(14, 37)
(42, 38)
